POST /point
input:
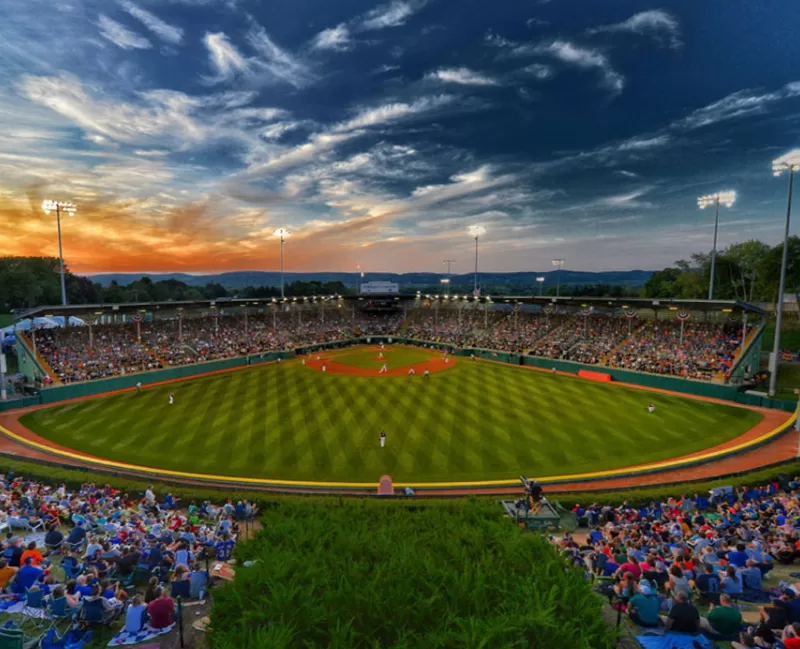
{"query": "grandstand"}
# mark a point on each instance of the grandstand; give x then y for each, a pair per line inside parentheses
(694, 339)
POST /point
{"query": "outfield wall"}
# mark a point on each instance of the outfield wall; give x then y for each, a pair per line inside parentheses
(662, 382)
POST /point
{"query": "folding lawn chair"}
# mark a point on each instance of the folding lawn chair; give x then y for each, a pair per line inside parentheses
(72, 639)
(179, 589)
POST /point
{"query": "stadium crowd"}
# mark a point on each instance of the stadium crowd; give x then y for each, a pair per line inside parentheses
(703, 351)
(664, 561)
(92, 547)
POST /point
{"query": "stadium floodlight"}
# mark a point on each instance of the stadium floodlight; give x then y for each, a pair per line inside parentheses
(476, 231)
(541, 284)
(446, 282)
(727, 199)
(789, 162)
(283, 233)
(558, 263)
(69, 209)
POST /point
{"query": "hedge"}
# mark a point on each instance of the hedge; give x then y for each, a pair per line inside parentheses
(74, 477)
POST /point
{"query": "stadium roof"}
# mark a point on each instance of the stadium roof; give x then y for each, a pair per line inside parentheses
(577, 302)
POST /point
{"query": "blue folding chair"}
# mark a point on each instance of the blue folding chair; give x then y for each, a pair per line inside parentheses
(180, 589)
(34, 607)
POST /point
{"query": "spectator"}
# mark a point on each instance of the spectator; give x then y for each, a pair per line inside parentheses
(161, 610)
(643, 607)
(683, 617)
(135, 615)
(6, 574)
(724, 620)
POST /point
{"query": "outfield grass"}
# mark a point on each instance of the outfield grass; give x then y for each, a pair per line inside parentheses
(361, 575)
(6, 319)
(475, 421)
(790, 333)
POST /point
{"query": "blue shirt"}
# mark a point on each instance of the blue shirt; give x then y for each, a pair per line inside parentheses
(738, 559)
(27, 576)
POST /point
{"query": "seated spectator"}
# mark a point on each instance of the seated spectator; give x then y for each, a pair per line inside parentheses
(626, 588)
(732, 581)
(27, 576)
(198, 582)
(723, 619)
(33, 553)
(53, 539)
(751, 576)
(77, 536)
(13, 551)
(136, 615)
(151, 592)
(790, 637)
(708, 581)
(161, 610)
(678, 583)
(643, 607)
(683, 617)
(6, 574)
(738, 557)
(789, 606)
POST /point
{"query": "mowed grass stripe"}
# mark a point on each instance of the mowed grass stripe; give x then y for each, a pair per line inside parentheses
(475, 421)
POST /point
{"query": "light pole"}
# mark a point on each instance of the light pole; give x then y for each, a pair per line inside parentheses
(448, 262)
(446, 282)
(359, 278)
(720, 198)
(70, 209)
(476, 231)
(282, 233)
(540, 281)
(558, 263)
(791, 163)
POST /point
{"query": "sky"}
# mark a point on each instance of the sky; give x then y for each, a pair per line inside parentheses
(187, 131)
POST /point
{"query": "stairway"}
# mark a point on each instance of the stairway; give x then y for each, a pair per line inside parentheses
(43, 364)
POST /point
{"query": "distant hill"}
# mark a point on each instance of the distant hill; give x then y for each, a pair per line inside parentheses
(240, 279)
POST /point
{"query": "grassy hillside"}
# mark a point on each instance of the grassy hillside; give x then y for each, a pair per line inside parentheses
(359, 575)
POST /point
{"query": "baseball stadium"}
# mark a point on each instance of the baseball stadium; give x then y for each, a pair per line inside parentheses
(399, 324)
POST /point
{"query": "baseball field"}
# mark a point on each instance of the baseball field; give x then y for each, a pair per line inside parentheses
(320, 419)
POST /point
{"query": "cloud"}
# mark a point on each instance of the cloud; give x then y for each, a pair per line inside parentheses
(336, 38)
(627, 174)
(163, 30)
(581, 57)
(391, 113)
(277, 130)
(462, 76)
(391, 15)
(539, 70)
(738, 104)
(277, 62)
(225, 58)
(121, 36)
(656, 23)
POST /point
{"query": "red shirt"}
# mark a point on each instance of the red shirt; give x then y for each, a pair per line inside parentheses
(792, 643)
(161, 612)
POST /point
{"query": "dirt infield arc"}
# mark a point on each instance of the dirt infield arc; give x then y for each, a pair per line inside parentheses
(765, 444)
(437, 363)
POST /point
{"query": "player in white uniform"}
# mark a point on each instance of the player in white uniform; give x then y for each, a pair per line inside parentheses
(427, 373)
(651, 408)
(138, 387)
(411, 372)
(171, 398)
(303, 361)
(383, 439)
(380, 355)
(384, 369)
(324, 368)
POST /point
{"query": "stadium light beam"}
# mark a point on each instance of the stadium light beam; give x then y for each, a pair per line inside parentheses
(789, 162)
(540, 281)
(476, 231)
(283, 233)
(446, 282)
(727, 199)
(558, 263)
(69, 209)
(448, 262)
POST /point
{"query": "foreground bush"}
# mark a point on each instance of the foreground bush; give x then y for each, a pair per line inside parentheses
(352, 574)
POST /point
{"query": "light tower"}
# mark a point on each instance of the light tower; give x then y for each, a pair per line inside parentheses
(69, 209)
(283, 233)
(789, 162)
(558, 263)
(540, 281)
(720, 198)
(476, 231)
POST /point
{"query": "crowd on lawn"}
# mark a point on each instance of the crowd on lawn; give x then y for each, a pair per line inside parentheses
(106, 543)
(705, 350)
(664, 561)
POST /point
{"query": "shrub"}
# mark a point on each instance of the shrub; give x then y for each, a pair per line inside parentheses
(357, 574)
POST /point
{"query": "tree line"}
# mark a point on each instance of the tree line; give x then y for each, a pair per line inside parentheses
(747, 271)
(27, 282)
